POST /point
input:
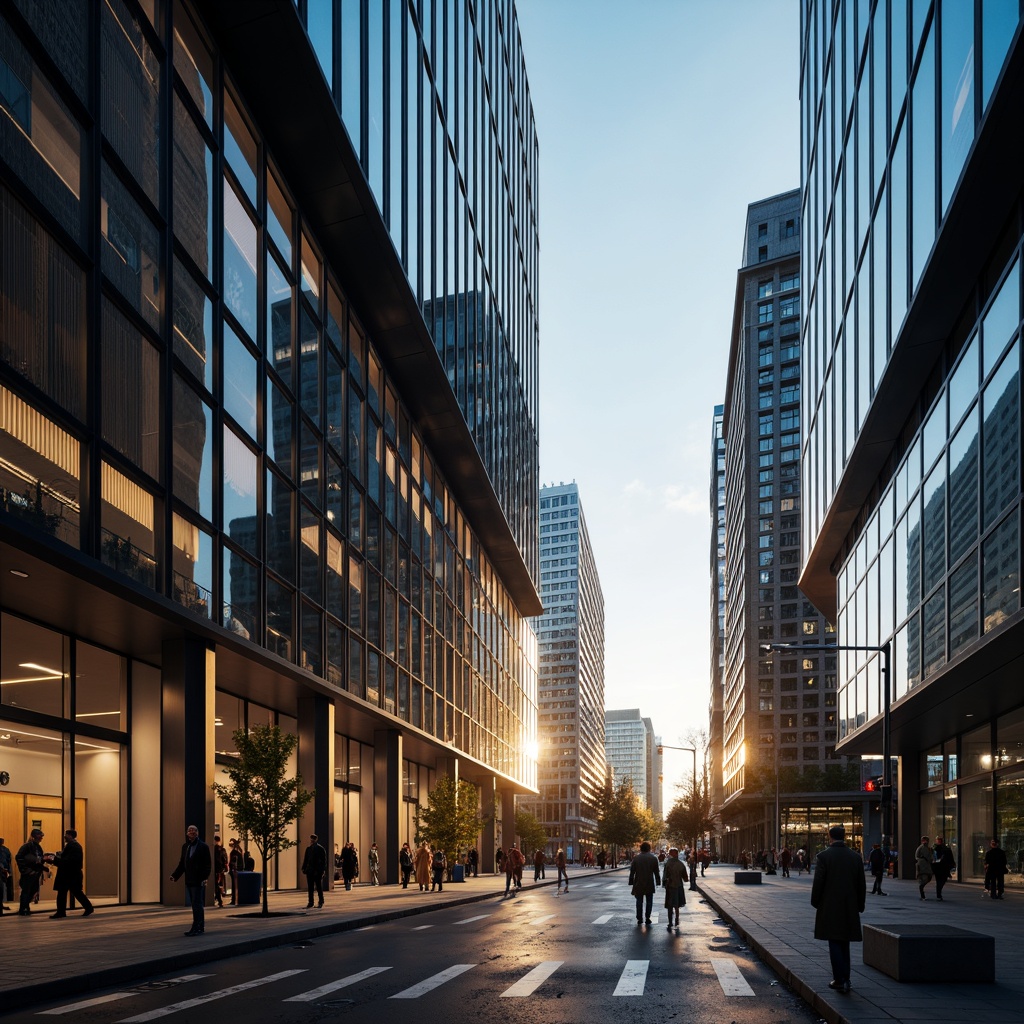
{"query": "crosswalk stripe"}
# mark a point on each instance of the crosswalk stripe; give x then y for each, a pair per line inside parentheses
(632, 979)
(333, 986)
(604, 919)
(431, 983)
(590, 885)
(612, 888)
(187, 1004)
(110, 997)
(467, 920)
(541, 920)
(422, 927)
(731, 978)
(531, 982)
(654, 918)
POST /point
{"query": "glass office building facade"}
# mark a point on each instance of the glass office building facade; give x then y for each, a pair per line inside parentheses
(570, 638)
(268, 406)
(913, 176)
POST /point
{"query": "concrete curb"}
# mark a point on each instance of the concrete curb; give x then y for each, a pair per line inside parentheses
(748, 932)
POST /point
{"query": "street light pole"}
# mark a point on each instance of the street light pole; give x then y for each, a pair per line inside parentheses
(886, 651)
(693, 801)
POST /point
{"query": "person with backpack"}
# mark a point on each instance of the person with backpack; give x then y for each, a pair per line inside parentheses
(438, 866)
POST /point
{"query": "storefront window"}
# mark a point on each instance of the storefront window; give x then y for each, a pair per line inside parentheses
(1010, 825)
(976, 808)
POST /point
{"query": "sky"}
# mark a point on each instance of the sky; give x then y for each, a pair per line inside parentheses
(658, 122)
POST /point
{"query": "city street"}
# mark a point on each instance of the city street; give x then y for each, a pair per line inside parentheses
(557, 958)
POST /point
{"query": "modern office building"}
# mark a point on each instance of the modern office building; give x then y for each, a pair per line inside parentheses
(631, 752)
(716, 703)
(779, 710)
(913, 219)
(268, 416)
(570, 644)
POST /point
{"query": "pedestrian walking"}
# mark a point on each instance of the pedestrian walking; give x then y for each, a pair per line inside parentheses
(837, 895)
(6, 884)
(538, 865)
(405, 864)
(422, 861)
(373, 859)
(31, 867)
(499, 859)
(674, 874)
(510, 872)
(785, 860)
(438, 864)
(943, 865)
(995, 869)
(876, 861)
(349, 864)
(644, 878)
(195, 864)
(474, 861)
(236, 863)
(220, 870)
(70, 875)
(923, 857)
(602, 858)
(561, 866)
(314, 867)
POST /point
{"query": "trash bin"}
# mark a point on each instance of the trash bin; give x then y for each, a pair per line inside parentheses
(458, 872)
(250, 886)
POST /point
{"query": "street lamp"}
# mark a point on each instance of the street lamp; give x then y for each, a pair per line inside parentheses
(886, 651)
(693, 859)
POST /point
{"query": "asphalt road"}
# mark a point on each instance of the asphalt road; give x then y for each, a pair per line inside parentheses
(541, 957)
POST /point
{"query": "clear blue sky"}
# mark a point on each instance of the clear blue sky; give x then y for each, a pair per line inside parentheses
(658, 121)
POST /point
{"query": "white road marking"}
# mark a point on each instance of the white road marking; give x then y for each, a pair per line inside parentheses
(632, 979)
(188, 1004)
(731, 978)
(531, 982)
(604, 919)
(541, 920)
(612, 888)
(590, 885)
(422, 927)
(110, 997)
(333, 986)
(431, 983)
(467, 920)
(654, 918)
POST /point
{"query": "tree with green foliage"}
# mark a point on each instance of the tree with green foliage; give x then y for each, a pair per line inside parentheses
(261, 801)
(624, 821)
(532, 834)
(450, 820)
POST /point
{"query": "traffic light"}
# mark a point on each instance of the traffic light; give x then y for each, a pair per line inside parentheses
(873, 785)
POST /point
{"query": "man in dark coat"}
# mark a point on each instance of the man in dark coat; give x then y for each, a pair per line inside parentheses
(995, 869)
(644, 878)
(70, 873)
(943, 865)
(195, 864)
(31, 865)
(838, 894)
(876, 858)
(314, 867)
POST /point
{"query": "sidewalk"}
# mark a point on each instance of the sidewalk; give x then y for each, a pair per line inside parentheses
(43, 959)
(777, 921)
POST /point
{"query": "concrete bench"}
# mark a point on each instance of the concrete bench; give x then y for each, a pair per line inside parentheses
(929, 952)
(747, 877)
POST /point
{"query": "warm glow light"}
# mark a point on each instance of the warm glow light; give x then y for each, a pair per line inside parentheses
(532, 750)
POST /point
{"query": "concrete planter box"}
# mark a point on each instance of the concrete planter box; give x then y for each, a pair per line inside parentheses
(747, 877)
(930, 952)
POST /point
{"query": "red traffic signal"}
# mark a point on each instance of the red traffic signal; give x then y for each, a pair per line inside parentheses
(873, 785)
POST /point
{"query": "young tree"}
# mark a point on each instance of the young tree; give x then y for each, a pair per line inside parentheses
(261, 801)
(449, 820)
(532, 834)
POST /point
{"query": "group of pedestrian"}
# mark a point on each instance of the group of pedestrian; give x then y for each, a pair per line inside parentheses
(514, 862)
(33, 865)
(647, 872)
(935, 862)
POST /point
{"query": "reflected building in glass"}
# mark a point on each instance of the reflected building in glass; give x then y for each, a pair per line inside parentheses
(913, 185)
(570, 638)
(268, 415)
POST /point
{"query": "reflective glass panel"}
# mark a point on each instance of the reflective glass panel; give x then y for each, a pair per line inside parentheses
(1000, 569)
(34, 666)
(240, 381)
(193, 449)
(240, 262)
(127, 527)
(193, 326)
(239, 502)
(240, 148)
(193, 566)
(194, 184)
(1000, 467)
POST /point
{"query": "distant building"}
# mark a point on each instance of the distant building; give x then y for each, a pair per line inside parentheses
(630, 750)
(570, 638)
(779, 709)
